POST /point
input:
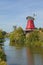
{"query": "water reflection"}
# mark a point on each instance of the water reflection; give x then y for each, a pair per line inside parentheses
(23, 56)
(15, 56)
(38, 56)
(38, 59)
(30, 57)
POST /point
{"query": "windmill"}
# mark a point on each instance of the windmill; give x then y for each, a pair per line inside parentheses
(30, 23)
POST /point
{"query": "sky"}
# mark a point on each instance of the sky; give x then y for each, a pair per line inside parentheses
(14, 13)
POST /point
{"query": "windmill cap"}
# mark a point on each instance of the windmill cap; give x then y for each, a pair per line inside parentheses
(30, 17)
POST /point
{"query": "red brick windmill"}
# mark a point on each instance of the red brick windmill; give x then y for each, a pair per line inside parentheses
(30, 24)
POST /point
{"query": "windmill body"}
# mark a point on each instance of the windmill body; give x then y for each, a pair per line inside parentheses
(30, 24)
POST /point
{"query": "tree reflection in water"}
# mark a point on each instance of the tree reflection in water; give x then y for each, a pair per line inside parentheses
(30, 57)
(35, 56)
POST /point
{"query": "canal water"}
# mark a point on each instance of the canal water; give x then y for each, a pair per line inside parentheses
(23, 56)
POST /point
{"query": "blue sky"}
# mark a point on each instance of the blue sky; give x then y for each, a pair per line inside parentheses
(14, 12)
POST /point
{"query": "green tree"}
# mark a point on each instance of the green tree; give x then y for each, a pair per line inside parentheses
(32, 38)
(3, 32)
(1, 36)
(41, 29)
(17, 37)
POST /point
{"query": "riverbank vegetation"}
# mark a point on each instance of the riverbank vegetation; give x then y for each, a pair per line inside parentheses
(32, 39)
(2, 57)
(2, 54)
(17, 37)
(2, 36)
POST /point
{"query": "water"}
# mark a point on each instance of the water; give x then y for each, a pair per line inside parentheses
(22, 56)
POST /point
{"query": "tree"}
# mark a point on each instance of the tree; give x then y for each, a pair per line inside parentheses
(3, 33)
(17, 37)
(1, 36)
(31, 38)
(41, 29)
(15, 27)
